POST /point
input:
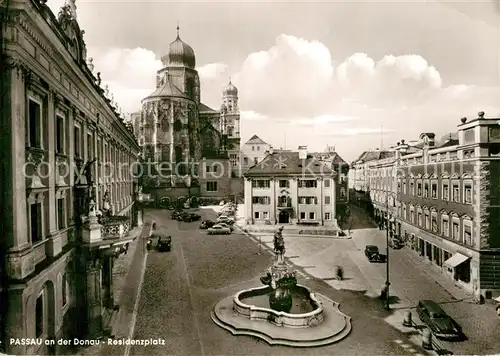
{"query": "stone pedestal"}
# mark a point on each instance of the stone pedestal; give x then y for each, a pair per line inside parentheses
(92, 229)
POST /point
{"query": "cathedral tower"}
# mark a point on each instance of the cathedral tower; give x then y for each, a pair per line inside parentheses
(230, 125)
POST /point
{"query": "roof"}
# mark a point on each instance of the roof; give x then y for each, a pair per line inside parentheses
(167, 89)
(203, 108)
(449, 143)
(289, 163)
(367, 156)
(331, 157)
(256, 140)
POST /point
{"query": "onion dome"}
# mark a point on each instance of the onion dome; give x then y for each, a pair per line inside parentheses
(230, 90)
(180, 54)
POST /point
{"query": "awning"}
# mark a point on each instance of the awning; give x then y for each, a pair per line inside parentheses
(456, 260)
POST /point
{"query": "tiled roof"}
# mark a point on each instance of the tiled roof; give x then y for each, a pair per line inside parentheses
(332, 157)
(449, 143)
(367, 156)
(203, 108)
(167, 89)
(256, 139)
(288, 163)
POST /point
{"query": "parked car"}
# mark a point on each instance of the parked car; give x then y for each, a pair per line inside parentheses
(191, 217)
(225, 219)
(219, 230)
(373, 254)
(205, 224)
(396, 243)
(440, 323)
(226, 225)
(164, 243)
(177, 214)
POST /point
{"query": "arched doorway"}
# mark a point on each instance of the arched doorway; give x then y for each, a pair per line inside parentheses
(284, 217)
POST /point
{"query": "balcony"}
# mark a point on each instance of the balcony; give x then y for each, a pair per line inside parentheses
(114, 227)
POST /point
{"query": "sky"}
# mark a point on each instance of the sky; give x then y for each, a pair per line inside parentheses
(355, 75)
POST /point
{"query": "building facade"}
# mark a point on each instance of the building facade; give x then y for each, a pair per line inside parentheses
(66, 157)
(290, 188)
(176, 130)
(252, 152)
(447, 202)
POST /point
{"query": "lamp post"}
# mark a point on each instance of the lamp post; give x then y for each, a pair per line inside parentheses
(387, 235)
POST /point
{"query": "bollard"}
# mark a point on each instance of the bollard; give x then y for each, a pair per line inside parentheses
(407, 319)
(427, 339)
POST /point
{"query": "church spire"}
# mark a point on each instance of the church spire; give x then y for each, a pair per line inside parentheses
(178, 29)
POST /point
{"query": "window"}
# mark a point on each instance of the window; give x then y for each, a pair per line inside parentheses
(64, 288)
(261, 183)
(419, 219)
(445, 226)
(412, 215)
(77, 142)
(39, 317)
(404, 187)
(90, 146)
(412, 188)
(456, 192)
(253, 148)
(312, 216)
(308, 183)
(302, 215)
(327, 199)
(446, 191)
(61, 213)
(434, 189)
(426, 189)
(255, 160)
(60, 136)
(434, 222)
(256, 215)
(468, 232)
(342, 192)
(427, 222)
(261, 200)
(327, 183)
(258, 148)
(327, 216)
(308, 200)
(284, 183)
(468, 193)
(36, 222)
(419, 189)
(35, 124)
(245, 161)
(456, 230)
(265, 215)
(211, 186)
(404, 212)
(211, 168)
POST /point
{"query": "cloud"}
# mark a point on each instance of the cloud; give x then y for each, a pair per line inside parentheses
(252, 116)
(297, 81)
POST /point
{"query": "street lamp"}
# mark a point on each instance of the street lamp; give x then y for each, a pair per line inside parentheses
(387, 274)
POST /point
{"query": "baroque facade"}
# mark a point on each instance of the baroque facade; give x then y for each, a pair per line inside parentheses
(446, 202)
(176, 130)
(291, 188)
(66, 156)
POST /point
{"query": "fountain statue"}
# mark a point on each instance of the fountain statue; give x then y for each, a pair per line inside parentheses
(282, 306)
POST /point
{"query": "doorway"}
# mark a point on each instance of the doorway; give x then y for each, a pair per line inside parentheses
(284, 217)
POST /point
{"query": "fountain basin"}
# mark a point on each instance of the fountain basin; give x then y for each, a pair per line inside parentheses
(306, 310)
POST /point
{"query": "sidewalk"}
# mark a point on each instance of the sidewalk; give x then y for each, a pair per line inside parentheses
(127, 272)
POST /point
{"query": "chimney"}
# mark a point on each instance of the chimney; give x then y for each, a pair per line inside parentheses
(271, 150)
(302, 152)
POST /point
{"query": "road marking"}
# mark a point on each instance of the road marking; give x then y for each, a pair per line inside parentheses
(137, 298)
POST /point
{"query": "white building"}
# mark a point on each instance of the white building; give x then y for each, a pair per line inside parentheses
(253, 151)
(290, 188)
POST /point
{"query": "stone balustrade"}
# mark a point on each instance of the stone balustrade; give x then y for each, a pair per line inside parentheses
(114, 227)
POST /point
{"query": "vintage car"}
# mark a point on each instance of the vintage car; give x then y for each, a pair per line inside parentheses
(205, 224)
(440, 323)
(219, 230)
(164, 243)
(225, 219)
(226, 225)
(396, 243)
(373, 254)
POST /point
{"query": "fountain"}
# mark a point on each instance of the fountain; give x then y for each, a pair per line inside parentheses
(282, 312)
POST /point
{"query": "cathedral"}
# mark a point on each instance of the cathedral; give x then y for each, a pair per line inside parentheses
(185, 137)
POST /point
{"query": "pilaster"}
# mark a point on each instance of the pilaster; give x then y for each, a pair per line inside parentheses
(52, 163)
(16, 319)
(272, 212)
(295, 198)
(18, 239)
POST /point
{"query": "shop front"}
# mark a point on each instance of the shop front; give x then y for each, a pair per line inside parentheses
(458, 263)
